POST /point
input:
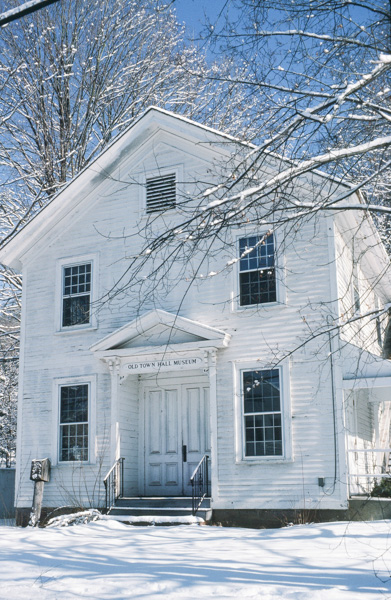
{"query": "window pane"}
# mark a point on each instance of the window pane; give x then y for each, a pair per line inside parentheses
(250, 449)
(261, 397)
(74, 447)
(73, 431)
(76, 295)
(261, 391)
(266, 253)
(257, 281)
(76, 311)
(74, 403)
(258, 252)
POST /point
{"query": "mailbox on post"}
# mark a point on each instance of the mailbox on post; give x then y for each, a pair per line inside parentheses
(40, 469)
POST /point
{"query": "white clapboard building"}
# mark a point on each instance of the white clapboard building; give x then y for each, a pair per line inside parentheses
(263, 360)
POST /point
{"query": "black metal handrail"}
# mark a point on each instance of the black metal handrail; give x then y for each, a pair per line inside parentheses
(200, 483)
(114, 483)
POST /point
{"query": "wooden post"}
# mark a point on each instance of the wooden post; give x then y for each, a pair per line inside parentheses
(35, 514)
(40, 472)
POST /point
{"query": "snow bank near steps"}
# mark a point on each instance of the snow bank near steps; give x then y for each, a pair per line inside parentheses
(92, 515)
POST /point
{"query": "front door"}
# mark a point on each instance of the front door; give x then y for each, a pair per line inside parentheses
(176, 436)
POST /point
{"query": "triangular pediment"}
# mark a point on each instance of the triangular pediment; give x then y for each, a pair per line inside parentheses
(160, 335)
(159, 328)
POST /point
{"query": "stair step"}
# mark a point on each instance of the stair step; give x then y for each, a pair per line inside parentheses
(138, 512)
(147, 520)
(159, 510)
(159, 502)
(130, 510)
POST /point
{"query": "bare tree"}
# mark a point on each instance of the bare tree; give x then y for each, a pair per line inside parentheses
(323, 69)
(8, 393)
(317, 81)
(314, 84)
(320, 72)
(317, 76)
(73, 76)
(82, 72)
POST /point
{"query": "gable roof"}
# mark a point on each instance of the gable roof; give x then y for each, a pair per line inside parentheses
(76, 190)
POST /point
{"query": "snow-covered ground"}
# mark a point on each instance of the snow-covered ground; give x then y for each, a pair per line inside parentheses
(110, 560)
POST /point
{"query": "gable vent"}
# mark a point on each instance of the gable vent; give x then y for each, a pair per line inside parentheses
(161, 192)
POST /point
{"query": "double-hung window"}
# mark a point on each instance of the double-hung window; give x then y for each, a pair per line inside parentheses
(74, 432)
(76, 294)
(257, 278)
(262, 413)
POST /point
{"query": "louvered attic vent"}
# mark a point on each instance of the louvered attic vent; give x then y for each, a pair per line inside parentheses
(161, 193)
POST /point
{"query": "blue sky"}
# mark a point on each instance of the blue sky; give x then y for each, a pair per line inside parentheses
(192, 12)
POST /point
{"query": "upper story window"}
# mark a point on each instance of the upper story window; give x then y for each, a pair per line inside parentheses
(76, 294)
(160, 192)
(262, 413)
(257, 279)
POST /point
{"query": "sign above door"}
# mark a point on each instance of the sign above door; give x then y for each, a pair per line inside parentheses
(171, 364)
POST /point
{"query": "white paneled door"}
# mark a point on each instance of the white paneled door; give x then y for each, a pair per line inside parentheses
(177, 435)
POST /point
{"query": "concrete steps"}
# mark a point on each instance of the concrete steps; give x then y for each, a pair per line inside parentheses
(159, 511)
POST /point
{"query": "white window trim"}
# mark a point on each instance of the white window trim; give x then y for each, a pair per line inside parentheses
(279, 266)
(70, 262)
(176, 170)
(58, 383)
(286, 416)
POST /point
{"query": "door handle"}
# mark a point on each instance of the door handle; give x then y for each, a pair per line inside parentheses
(184, 453)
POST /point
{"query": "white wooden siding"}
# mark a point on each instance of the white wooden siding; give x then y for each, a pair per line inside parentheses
(352, 268)
(129, 419)
(260, 335)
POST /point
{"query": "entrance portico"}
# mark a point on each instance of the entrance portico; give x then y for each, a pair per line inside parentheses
(163, 400)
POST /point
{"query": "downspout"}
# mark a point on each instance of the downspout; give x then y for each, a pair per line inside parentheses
(334, 410)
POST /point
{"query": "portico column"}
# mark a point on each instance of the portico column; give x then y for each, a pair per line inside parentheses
(115, 449)
(213, 421)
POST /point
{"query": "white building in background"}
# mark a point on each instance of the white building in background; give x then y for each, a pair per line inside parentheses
(216, 368)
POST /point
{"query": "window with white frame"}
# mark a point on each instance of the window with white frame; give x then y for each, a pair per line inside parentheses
(160, 192)
(262, 414)
(74, 418)
(257, 278)
(76, 294)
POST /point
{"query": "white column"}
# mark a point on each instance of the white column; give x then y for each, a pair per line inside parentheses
(115, 442)
(213, 423)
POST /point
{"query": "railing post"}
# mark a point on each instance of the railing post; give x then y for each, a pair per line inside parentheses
(199, 483)
(114, 483)
(207, 475)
